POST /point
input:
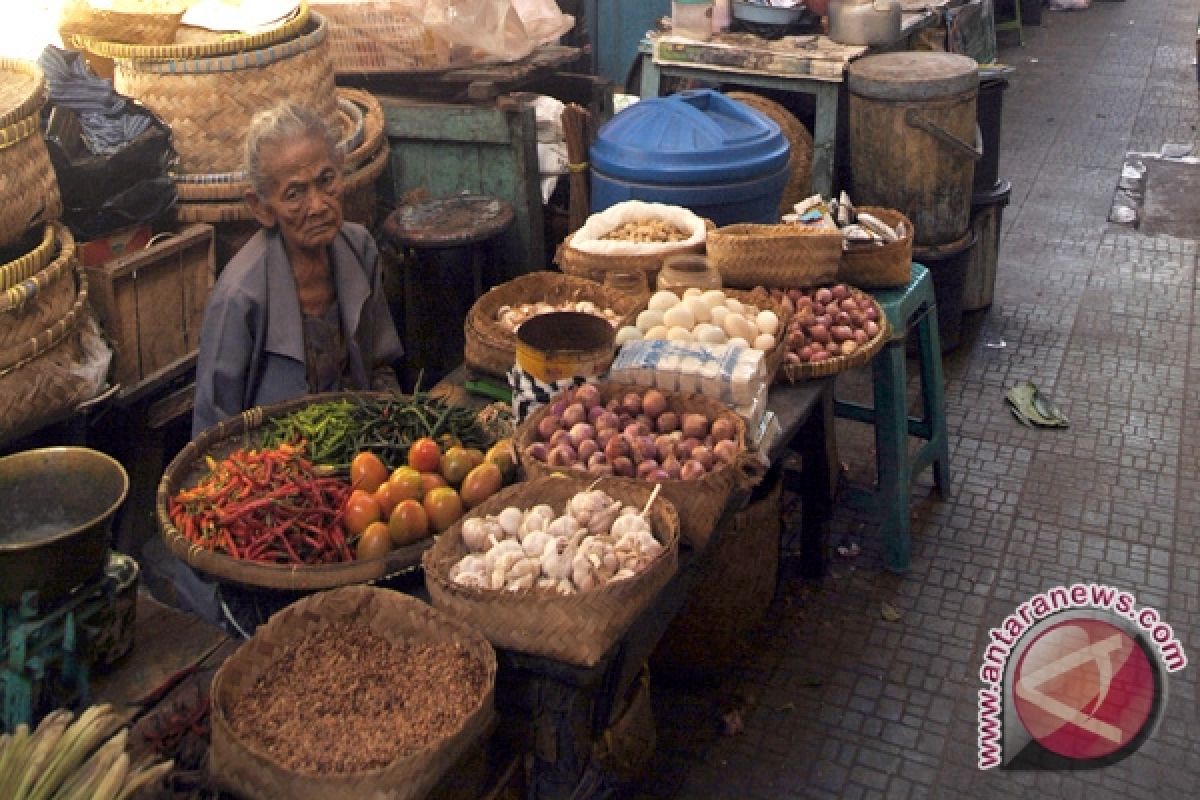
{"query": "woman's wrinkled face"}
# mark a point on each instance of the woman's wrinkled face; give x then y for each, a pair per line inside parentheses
(304, 195)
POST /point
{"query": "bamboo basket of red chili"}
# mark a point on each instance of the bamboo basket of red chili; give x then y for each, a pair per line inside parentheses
(264, 517)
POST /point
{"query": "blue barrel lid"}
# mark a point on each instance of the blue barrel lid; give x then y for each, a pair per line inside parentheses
(691, 137)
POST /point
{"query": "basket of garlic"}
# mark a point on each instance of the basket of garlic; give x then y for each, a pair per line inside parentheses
(692, 444)
(491, 325)
(559, 566)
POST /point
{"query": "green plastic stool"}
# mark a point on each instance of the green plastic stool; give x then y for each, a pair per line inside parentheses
(1011, 24)
(906, 308)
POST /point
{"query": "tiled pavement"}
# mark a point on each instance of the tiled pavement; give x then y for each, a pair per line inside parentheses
(838, 701)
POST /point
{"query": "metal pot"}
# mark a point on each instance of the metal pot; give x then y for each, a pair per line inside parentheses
(865, 22)
(58, 504)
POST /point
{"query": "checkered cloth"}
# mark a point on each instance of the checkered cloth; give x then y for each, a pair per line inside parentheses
(530, 394)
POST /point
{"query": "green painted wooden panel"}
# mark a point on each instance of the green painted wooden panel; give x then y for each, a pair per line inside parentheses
(491, 149)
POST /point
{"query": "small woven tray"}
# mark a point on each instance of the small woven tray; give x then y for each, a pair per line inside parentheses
(158, 27)
(775, 256)
(823, 369)
(883, 266)
(492, 349)
(243, 430)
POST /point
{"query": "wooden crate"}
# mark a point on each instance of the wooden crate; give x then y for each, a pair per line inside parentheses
(151, 304)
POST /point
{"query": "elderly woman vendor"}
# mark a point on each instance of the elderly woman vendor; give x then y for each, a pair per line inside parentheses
(300, 308)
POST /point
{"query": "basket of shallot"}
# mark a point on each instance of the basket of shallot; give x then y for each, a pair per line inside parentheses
(558, 566)
(692, 444)
(490, 329)
(832, 329)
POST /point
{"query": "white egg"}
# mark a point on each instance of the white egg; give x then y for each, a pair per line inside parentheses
(733, 304)
(649, 319)
(663, 300)
(709, 334)
(737, 341)
(719, 313)
(713, 298)
(699, 309)
(679, 335)
(679, 317)
(738, 326)
(764, 342)
(628, 334)
(767, 322)
(691, 291)
(657, 332)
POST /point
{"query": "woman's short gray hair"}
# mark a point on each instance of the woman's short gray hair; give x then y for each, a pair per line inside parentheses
(285, 122)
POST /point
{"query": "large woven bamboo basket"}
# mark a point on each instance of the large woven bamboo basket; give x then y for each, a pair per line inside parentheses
(22, 90)
(245, 430)
(595, 267)
(776, 256)
(735, 589)
(35, 303)
(152, 26)
(251, 772)
(208, 102)
(28, 185)
(699, 503)
(579, 628)
(800, 161)
(31, 261)
(491, 348)
(883, 266)
(40, 380)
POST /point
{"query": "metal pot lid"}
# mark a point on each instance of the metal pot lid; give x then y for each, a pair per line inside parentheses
(912, 75)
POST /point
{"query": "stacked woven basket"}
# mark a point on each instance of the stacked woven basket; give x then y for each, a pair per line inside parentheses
(207, 90)
(42, 295)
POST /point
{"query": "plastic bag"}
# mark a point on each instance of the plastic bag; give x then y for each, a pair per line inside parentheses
(588, 238)
(496, 28)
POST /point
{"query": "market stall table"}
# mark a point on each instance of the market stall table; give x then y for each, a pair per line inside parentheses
(568, 707)
(557, 709)
(812, 65)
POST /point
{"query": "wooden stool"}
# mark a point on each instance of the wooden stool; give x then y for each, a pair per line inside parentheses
(443, 233)
(909, 307)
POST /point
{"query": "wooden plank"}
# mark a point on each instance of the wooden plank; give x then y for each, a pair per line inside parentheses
(158, 308)
(443, 122)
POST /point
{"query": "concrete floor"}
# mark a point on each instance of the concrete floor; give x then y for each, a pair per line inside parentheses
(839, 702)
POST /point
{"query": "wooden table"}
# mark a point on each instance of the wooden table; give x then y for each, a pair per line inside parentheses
(816, 66)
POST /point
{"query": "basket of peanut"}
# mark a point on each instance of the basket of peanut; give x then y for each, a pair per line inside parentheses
(491, 326)
(631, 236)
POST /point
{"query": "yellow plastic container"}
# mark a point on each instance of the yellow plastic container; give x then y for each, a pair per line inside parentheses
(564, 344)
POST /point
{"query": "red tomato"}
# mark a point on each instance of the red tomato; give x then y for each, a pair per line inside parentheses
(444, 507)
(361, 511)
(424, 455)
(367, 472)
(409, 523)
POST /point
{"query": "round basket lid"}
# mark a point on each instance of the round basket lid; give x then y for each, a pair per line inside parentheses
(688, 138)
(22, 90)
(912, 75)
